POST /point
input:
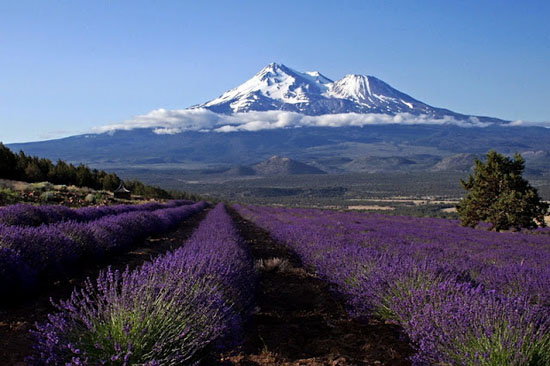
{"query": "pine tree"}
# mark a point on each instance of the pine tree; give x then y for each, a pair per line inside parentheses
(498, 194)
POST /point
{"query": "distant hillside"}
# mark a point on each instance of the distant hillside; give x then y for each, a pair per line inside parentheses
(372, 164)
(537, 162)
(329, 149)
(277, 165)
(240, 171)
(458, 162)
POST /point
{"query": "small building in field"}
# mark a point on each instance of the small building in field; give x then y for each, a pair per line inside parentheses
(122, 192)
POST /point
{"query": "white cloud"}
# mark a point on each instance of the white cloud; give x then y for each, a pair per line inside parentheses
(520, 123)
(164, 121)
(167, 131)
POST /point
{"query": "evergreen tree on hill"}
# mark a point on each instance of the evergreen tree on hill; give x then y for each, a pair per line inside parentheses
(498, 194)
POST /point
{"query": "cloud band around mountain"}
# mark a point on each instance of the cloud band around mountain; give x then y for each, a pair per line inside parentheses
(164, 121)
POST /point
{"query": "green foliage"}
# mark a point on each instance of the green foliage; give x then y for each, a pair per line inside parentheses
(8, 162)
(497, 194)
(110, 182)
(33, 169)
(47, 196)
(136, 187)
(8, 196)
(41, 187)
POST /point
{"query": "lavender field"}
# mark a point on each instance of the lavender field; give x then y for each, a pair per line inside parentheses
(462, 296)
(31, 255)
(30, 215)
(439, 293)
(289, 183)
(168, 312)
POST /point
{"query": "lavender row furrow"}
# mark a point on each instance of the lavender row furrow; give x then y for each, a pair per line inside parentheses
(463, 296)
(171, 311)
(29, 215)
(29, 255)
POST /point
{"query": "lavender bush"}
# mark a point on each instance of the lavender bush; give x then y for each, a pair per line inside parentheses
(51, 250)
(15, 274)
(169, 312)
(29, 215)
(463, 296)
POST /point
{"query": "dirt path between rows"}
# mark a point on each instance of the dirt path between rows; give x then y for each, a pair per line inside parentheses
(300, 321)
(17, 320)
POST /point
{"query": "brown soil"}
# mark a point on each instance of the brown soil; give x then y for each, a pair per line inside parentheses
(299, 319)
(16, 321)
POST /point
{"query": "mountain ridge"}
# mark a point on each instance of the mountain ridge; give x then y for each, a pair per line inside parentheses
(330, 149)
(279, 87)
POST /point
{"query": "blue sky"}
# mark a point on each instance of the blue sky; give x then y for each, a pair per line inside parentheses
(67, 66)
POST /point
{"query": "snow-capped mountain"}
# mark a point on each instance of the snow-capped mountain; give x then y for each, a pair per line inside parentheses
(278, 87)
(275, 87)
(355, 124)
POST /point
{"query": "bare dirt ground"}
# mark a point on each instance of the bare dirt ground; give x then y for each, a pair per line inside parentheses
(300, 320)
(17, 320)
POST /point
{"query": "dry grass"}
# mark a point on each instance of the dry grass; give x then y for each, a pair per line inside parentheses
(371, 207)
(449, 209)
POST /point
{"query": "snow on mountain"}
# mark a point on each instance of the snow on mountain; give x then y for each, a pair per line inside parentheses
(279, 97)
(372, 94)
(278, 87)
(271, 89)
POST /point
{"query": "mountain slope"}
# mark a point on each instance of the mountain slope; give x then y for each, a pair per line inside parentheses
(277, 165)
(458, 162)
(278, 87)
(332, 148)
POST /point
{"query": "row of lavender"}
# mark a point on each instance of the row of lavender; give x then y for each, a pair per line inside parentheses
(30, 215)
(29, 255)
(171, 311)
(463, 296)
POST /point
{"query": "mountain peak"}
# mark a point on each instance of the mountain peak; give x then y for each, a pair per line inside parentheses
(274, 68)
(353, 86)
(279, 87)
(274, 87)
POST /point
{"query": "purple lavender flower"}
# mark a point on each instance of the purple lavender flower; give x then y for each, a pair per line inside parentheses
(168, 312)
(39, 253)
(29, 215)
(463, 296)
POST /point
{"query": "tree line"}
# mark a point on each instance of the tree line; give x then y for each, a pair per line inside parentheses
(20, 166)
